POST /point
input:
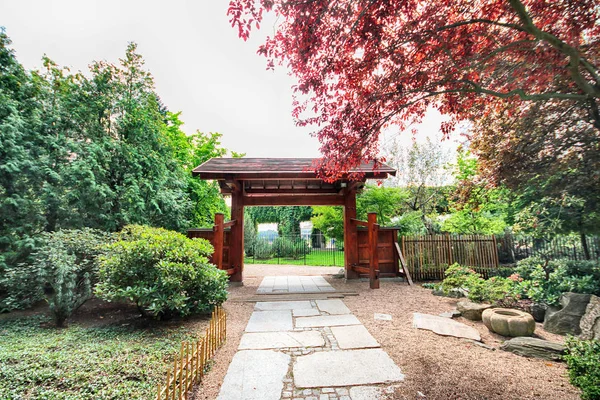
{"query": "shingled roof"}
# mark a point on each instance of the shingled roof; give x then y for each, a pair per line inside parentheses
(276, 168)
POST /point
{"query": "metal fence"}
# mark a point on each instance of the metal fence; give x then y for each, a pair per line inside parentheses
(316, 250)
(513, 248)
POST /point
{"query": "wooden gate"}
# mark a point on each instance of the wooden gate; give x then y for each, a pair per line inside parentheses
(220, 237)
(378, 252)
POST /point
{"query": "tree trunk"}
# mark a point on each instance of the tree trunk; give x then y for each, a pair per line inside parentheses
(584, 245)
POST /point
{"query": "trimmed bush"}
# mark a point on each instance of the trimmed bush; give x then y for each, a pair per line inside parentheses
(583, 362)
(163, 272)
(479, 290)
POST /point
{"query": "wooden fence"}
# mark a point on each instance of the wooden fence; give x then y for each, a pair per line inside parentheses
(190, 364)
(427, 257)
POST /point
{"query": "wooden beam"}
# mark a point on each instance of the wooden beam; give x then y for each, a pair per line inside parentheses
(218, 240)
(297, 191)
(290, 200)
(403, 264)
(373, 253)
(236, 247)
(350, 236)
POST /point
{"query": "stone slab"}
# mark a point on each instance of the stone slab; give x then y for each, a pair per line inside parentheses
(353, 337)
(278, 340)
(255, 375)
(366, 393)
(345, 368)
(326, 320)
(444, 326)
(382, 317)
(333, 307)
(306, 312)
(270, 321)
(294, 284)
(282, 305)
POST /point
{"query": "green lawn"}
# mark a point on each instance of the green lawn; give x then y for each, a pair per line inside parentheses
(110, 362)
(318, 258)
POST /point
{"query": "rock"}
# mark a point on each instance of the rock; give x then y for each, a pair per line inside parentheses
(566, 318)
(532, 347)
(450, 314)
(508, 322)
(454, 293)
(538, 311)
(590, 322)
(444, 326)
(471, 310)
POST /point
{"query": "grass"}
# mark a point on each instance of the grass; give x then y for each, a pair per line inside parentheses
(328, 258)
(107, 362)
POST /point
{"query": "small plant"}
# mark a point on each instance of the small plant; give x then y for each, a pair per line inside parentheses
(457, 277)
(430, 285)
(163, 272)
(583, 362)
(65, 268)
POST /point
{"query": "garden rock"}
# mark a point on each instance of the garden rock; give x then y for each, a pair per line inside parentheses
(471, 310)
(566, 318)
(532, 347)
(454, 293)
(507, 322)
(538, 311)
(450, 314)
(590, 322)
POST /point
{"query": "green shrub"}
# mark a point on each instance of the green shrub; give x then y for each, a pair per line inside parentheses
(545, 280)
(583, 362)
(456, 277)
(263, 250)
(63, 271)
(479, 290)
(287, 248)
(163, 272)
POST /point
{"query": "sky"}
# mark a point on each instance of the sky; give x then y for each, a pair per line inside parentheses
(199, 64)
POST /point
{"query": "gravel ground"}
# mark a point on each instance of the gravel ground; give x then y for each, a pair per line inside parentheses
(436, 366)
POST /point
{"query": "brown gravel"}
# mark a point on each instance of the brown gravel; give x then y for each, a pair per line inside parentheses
(439, 367)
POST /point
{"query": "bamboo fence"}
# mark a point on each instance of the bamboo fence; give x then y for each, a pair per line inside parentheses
(189, 365)
(427, 257)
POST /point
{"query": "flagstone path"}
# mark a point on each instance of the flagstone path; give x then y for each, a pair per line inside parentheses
(310, 350)
(294, 284)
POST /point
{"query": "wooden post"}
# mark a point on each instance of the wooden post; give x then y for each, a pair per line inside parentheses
(236, 247)
(373, 251)
(350, 235)
(218, 240)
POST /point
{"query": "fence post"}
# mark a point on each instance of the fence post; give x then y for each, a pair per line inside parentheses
(373, 253)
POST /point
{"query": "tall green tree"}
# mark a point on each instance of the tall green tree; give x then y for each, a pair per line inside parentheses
(475, 207)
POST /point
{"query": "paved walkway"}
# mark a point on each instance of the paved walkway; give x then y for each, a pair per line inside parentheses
(294, 284)
(311, 350)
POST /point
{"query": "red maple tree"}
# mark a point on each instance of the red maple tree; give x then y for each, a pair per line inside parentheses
(363, 65)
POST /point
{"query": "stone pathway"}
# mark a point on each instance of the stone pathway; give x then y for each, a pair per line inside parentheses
(294, 284)
(310, 350)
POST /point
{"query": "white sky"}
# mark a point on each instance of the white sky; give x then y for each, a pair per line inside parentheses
(199, 64)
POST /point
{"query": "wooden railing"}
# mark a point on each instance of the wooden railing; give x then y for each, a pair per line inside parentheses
(189, 365)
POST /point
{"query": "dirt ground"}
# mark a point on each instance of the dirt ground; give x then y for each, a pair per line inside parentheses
(437, 367)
